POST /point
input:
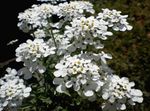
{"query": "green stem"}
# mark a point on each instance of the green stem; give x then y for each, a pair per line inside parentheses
(51, 32)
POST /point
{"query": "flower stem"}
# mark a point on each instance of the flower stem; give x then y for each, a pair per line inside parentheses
(51, 31)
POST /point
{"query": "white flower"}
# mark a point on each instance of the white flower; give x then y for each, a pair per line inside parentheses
(74, 9)
(12, 90)
(62, 42)
(105, 56)
(87, 27)
(78, 73)
(39, 33)
(119, 91)
(36, 17)
(33, 50)
(115, 20)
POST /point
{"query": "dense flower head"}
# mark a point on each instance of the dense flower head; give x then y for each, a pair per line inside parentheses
(33, 50)
(86, 27)
(79, 73)
(115, 20)
(118, 91)
(74, 9)
(12, 90)
(36, 17)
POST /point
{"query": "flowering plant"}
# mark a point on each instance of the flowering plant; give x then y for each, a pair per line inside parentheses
(66, 57)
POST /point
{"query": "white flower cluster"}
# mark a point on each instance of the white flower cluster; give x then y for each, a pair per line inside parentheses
(33, 50)
(36, 17)
(31, 53)
(74, 9)
(115, 20)
(76, 40)
(12, 90)
(79, 73)
(118, 91)
(87, 27)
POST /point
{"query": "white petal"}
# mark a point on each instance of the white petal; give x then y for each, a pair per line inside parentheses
(26, 94)
(88, 93)
(61, 89)
(76, 87)
(28, 89)
(123, 107)
(129, 27)
(105, 96)
(59, 66)
(57, 81)
(112, 99)
(41, 69)
(5, 103)
(136, 92)
(137, 99)
(58, 73)
(132, 84)
(83, 81)
(69, 84)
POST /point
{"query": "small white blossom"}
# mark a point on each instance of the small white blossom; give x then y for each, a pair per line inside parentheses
(78, 73)
(36, 17)
(74, 9)
(33, 50)
(119, 91)
(39, 33)
(115, 20)
(86, 27)
(62, 42)
(12, 90)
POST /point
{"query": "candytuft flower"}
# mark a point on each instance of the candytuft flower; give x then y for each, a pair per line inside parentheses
(12, 90)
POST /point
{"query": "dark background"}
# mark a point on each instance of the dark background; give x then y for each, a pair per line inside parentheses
(9, 30)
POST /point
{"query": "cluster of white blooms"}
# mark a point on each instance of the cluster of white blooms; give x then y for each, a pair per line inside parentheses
(61, 41)
(12, 90)
(86, 31)
(115, 20)
(36, 17)
(87, 27)
(118, 91)
(31, 54)
(76, 40)
(33, 50)
(74, 9)
(80, 74)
